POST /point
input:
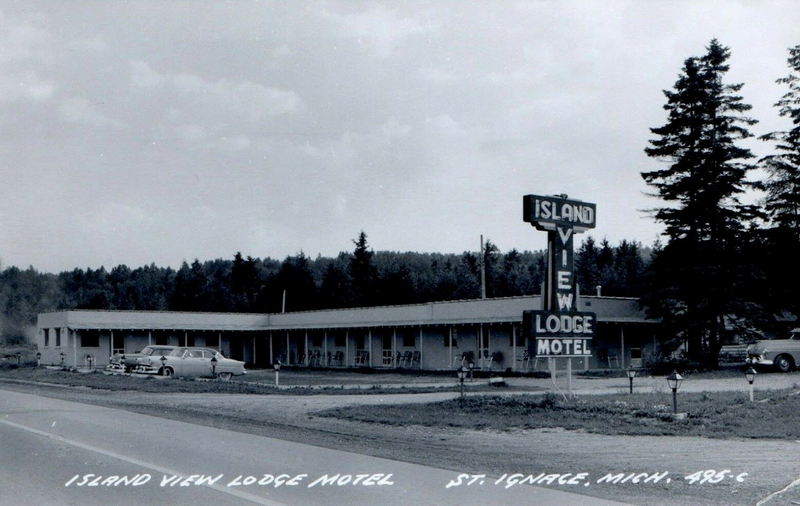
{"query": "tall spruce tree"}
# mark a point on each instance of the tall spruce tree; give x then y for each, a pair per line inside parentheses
(699, 284)
(783, 197)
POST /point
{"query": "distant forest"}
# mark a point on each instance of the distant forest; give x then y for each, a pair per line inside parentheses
(361, 277)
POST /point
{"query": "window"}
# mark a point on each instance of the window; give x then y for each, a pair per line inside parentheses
(387, 342)
(360, 342)
(162, 340)
(519, 334)
(409, 339)
(58, 337)
(339, 340)
(212, 340)
(46, 337)
(316, 340)
(90, 339)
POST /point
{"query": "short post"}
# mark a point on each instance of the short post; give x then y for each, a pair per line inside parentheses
(631, 374)
(471, 366)
(163, 365)
(38, 359)
(461, 374)
(674, 381)
(750, 375)
(19, 358)
(62, 359)
(277, 367)
(214, 367)
(90, 361)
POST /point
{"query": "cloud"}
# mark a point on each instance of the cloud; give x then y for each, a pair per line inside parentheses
(81, 111)
(95, 43)
(144, 76)
(252, 100)
(379, 28)
(24, 51)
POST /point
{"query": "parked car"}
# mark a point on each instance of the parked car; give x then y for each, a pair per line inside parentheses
(191, 362)
(127, 362)
(783, 354)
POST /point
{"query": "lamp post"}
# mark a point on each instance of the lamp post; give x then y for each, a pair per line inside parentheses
(277, 367)
(471, 366)
(19, 358)
(90, 360)
(38, 359)
(750, 375)
(214, 366)
(631, 374)
(461, 374)
(674, 381)
(62, 359)
(163, 365)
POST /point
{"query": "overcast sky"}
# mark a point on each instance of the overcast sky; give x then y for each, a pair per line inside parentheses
(136, 132)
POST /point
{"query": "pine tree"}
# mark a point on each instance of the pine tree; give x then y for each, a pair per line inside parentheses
(783, 198)
(704, 217)
(362, 272)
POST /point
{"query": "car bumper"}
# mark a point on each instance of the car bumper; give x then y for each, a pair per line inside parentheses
(146, 369)
(758, 361)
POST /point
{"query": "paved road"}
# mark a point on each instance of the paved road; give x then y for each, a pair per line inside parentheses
(48, 446)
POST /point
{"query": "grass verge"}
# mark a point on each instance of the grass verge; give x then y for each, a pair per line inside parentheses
(98, 380)
(715, 415)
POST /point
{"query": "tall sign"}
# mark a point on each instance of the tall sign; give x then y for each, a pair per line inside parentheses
(559, 329)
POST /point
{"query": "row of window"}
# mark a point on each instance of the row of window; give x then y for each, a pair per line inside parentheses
(91, 339)
(407, 338)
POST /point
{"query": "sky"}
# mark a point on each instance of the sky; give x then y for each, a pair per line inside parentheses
(134, 132)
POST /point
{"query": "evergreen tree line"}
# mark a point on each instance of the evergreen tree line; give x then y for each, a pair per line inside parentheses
(351, 279)
(729, 266)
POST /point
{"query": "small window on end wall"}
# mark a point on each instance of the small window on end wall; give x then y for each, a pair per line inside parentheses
(409, 338)
(46, 337)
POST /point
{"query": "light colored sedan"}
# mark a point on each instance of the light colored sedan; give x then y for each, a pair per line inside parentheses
(192, 363)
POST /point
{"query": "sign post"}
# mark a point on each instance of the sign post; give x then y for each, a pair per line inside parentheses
(559, 330)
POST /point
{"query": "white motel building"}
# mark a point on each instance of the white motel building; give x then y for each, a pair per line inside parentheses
(431, 336)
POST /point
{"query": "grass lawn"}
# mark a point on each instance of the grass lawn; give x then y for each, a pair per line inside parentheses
(142, 383)
(716, 415)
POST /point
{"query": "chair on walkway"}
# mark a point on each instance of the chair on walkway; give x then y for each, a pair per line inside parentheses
(407, 358)
(415, 357)
(338, 358)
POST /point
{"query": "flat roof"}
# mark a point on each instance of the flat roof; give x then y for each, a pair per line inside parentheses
(494, 310)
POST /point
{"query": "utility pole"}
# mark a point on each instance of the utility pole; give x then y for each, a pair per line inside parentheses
(483, 271)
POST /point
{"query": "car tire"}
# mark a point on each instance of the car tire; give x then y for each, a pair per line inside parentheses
(168, 372)
(784, 363)
(225, 376)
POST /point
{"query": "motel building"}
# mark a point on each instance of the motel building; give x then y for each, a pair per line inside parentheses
(432, 336)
